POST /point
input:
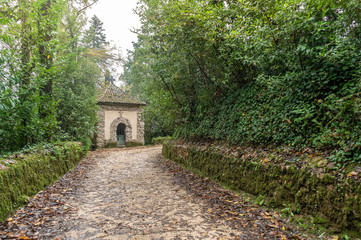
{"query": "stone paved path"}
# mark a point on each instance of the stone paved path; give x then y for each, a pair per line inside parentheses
(126, 195)
(136, 194)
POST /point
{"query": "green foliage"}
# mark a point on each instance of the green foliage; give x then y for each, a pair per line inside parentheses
(252, 72)
(161, 111)
(94, 36)
(111, 145)
(30, 171)
(133, 144)
(26, 112)
(332, 201)
(47, 83)
(101, 51)
(161, 140)
(76, 96)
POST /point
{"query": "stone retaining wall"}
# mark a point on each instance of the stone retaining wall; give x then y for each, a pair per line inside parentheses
(306, 184)
(24, 174)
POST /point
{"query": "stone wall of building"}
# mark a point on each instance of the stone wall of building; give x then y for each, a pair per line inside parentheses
(133, 133)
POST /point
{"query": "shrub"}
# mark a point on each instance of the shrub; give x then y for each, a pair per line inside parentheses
(160, 140)
(133, 144)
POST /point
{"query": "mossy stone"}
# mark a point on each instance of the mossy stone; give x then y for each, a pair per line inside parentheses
(29, 175)
(333, 203)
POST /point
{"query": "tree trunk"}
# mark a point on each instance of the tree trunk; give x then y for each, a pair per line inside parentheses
(46, 60)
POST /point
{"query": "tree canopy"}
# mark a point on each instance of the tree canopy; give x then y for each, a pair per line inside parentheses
(47, 79)
(251, 72)
(95, 37)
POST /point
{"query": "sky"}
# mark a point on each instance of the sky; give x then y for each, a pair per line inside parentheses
(118, 18)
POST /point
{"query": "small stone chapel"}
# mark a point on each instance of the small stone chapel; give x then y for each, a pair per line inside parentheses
(120, 118)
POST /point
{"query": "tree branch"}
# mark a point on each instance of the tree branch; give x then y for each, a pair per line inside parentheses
(174, 95)
(88, 5)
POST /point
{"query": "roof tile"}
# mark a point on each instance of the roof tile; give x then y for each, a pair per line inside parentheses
(114, 95)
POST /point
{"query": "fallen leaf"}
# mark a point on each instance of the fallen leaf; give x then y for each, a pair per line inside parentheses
(352, 174)
(283, 237)
(233, 213)
(23, 238)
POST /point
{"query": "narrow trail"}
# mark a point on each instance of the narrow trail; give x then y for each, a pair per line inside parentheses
(135, 194)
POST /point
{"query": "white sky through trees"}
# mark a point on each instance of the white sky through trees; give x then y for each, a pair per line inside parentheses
(118, 18)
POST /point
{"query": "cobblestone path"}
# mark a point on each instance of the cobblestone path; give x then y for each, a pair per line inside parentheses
(136, 194)
(126, 195)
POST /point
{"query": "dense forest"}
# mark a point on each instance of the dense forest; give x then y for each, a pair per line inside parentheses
(250, 72)
(50, 63)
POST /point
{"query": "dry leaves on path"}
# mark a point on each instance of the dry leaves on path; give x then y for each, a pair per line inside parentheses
(236, 209)
(45, 208)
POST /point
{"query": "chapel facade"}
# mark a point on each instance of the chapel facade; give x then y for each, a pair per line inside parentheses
(120, 118)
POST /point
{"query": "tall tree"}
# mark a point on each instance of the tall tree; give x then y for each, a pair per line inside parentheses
(95, 37)
(100, 49)
(45, 75)
(46, 29)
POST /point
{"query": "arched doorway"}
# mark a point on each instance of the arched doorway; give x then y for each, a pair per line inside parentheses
(121, 134)
(120, 127)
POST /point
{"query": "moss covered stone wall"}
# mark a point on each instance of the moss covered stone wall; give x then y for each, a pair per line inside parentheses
(300, 184)
(24, 174)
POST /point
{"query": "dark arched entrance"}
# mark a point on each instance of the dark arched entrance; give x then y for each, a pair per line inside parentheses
(121, 134)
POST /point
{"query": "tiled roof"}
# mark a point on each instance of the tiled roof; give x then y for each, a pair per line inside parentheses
(111, 94)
